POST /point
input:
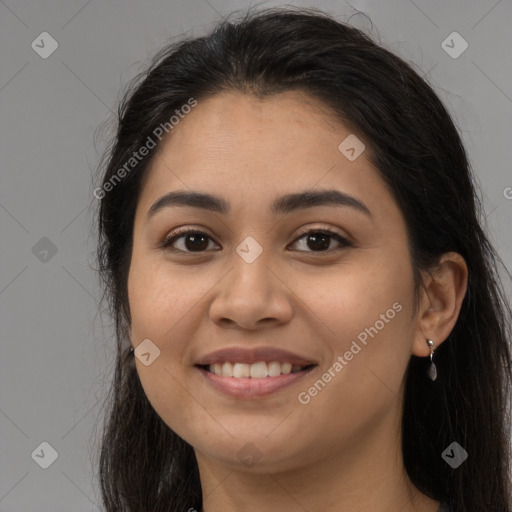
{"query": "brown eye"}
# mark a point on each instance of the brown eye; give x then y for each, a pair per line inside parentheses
(192, 241)
(320, 241)
(196, 242)
(187, 241)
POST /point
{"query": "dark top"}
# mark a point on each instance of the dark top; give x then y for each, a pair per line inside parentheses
(443, 508)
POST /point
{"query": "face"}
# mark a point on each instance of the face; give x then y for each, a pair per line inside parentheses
(321, 284)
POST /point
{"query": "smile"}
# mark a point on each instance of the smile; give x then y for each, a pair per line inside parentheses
(259, 370)
(252, 381)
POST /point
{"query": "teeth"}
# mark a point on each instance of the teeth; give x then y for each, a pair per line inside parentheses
(258, 370)
(274, 369)
(241, 370)
(227, 370)
(286, 368)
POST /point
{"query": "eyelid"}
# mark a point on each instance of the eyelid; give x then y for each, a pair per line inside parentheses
(322, 229)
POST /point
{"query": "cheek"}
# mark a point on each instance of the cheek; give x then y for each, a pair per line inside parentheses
(166, 308)
(160, 297)
(364, 315)
(352, 297)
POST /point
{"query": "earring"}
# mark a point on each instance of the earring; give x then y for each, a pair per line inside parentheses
(432, 370)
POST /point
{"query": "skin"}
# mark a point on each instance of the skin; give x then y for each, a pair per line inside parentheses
(342, 450)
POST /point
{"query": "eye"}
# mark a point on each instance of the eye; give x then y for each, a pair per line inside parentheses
(319, 240)
(190, 240)
(193, 240)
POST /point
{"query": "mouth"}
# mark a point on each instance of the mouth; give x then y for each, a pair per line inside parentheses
(258, 370)
(255, 380)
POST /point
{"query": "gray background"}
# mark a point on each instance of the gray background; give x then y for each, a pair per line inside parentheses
(56, 348)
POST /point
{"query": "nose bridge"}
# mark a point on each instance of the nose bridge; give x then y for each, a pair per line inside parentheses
(251, 292)
(250, 275)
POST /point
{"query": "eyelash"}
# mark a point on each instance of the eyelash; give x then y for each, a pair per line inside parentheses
(181, 232)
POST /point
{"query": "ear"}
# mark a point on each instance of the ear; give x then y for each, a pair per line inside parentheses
(440, 302)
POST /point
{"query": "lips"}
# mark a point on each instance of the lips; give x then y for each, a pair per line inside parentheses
(251, 356)
(252, 388)
(253, 373)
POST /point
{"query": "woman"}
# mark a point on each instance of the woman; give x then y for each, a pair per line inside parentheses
(309, 315)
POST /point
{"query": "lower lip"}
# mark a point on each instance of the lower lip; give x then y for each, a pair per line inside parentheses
(250, 387)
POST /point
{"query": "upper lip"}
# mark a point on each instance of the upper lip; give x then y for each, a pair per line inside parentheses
(255, 355)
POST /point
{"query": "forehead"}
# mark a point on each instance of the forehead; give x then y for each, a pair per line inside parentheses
(232, 121)
(241, 146)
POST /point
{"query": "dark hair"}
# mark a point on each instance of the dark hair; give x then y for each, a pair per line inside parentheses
(413, 142)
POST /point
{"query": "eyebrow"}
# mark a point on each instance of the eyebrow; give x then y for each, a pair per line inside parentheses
(281, 205)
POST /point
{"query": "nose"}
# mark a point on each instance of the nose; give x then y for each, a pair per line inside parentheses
(251, 296)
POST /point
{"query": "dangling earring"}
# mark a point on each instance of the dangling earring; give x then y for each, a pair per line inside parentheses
(432, 370)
